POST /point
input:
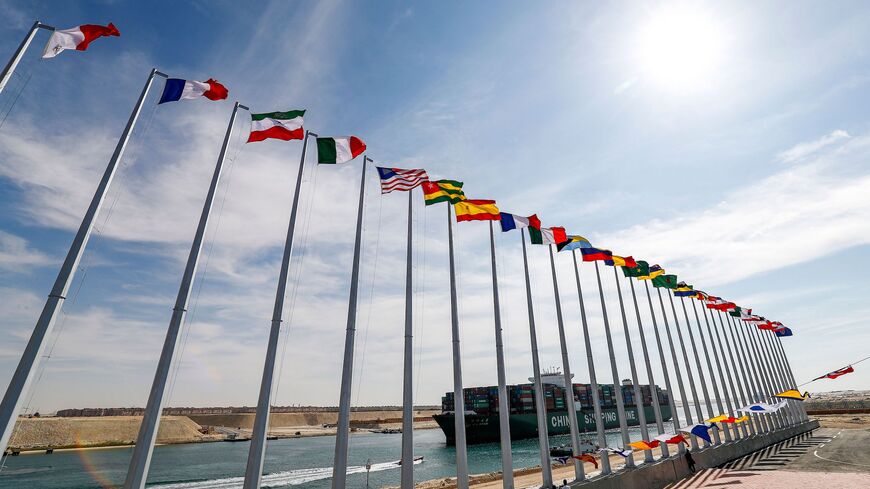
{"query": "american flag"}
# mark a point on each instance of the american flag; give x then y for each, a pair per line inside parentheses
(399, 179)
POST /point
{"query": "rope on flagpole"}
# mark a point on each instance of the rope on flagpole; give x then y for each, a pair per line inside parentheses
(15, 99)
(362, 360)
(824, 376)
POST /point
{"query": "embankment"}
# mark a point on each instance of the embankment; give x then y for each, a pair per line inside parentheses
(360, 419)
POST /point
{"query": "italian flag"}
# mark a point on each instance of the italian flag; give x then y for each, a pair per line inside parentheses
(339, 150)
(277, 125)
(76, 38)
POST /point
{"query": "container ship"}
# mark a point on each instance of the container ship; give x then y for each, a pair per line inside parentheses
(481, 409)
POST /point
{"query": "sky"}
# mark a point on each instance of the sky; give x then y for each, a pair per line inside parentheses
(726, 141)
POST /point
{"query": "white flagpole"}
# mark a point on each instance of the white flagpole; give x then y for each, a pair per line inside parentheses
(739, 371)
(458, 394)
(785, 368)
(408, 382)
(593, 380)
(541, 406)
(617, 385)
(674, 417)
(716, 439)
(654, 394)
(686, 410)
(710, 369)
(778, 370)
(638, 396)
(764, 391)
(507, 467)
(32, 355)
(579, 473)
(755, 389)
(686, 363)
(339, 468)
(743, 398)
(137, 473)
(764, 366)
(6, 74)
(259, 432)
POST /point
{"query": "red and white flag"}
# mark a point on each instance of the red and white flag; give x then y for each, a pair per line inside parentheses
(76, 38)
(400, 179)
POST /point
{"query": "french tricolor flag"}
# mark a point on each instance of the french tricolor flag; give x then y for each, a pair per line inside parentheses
(177, 89)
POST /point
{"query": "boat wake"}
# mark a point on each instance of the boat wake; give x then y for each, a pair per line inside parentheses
(280, 479)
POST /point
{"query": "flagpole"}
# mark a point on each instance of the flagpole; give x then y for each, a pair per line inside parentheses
(638, 397)
(579, 473)
(259, 432)
(593, 379)
(673, 404)
(739, 368)
(507, 468)
(686, 410)
(339, 468)
(458, 395)
(32, 355)
(654, 394)
(780, 369)
(766, 422)
(774, 370)
(541, 411)
(775, 419)
(137, 473)
(6, 74)
(781, 417)
(407, 481)
(710, 369)
(743, 399)
(723, 367)
(786, 370)
(617, 385)
(704, 391)
(687, 364)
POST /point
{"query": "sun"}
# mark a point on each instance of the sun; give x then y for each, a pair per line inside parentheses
(681, 48)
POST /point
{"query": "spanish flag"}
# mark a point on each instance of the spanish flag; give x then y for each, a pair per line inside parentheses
(476, 210)
(620, 261)
(442, 191)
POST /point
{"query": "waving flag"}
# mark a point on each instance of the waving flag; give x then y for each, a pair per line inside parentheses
(684, 290)
(666, 281)
(510, 222)
(671, 438)
(285, 126)
(719, 304)
(594, 254)
(837, 373)
(770, 325)
(741, 312)
(639, 269)
(793, 394)
(442, 191)
(399, 179)
(645, 445)
(331, 151)
(547, 236)
(763, 407)
(619, 451)
(700, 430)
(77, 38)
(783, 332)
(654, 271)
(574, 242)
(476, 210)
(700, 295)
(177, 89)
(585, 457)
(619, 261)
(728, 419)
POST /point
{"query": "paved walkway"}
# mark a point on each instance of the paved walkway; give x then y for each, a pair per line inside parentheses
(828, 457)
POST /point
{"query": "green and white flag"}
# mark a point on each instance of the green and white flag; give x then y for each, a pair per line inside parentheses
(339, 150)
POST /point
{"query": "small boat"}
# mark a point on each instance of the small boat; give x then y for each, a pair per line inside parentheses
(417, 460)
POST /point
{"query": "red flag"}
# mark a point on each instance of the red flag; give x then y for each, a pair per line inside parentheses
(837, 373)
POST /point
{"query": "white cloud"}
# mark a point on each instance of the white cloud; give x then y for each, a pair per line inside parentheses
(808, 148)
(16, 255)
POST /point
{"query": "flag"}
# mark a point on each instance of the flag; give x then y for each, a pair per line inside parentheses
(277, 125)
(442, 191)
(399, 179)
(76, 38)
(752, 318)
(770, 325)
(644, 445)
(618, 451)
(728, 419)
(512, 221)
(574, 243)
(476, 210)
(684, 290)
(640, 269)
(741, 312)
(585, 457)
(793, 394)
(666, 281)
(671, 438)
(547, 236)
(700, 430)
(763, 407)
(563, 459)
(837, 373)
(593, 254)
(619, 261)
(654, 271)
(331, 151)
(783, 332)
(177, 89)
(700, 295)
(719, 304)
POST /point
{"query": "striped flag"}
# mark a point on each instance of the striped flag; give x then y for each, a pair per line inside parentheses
(399, 179)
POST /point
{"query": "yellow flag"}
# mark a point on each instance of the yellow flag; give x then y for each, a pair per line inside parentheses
(793, 394)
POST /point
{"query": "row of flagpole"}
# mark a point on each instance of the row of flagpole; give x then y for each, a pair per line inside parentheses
(758, 384)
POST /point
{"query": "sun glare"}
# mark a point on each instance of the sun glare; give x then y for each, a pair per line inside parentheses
(680, 49)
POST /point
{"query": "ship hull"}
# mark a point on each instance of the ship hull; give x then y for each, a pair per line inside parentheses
(484, 428)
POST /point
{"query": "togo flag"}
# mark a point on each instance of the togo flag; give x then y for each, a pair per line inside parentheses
(178, 89)
(277, 125)
(76, 38)
(339, 150)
